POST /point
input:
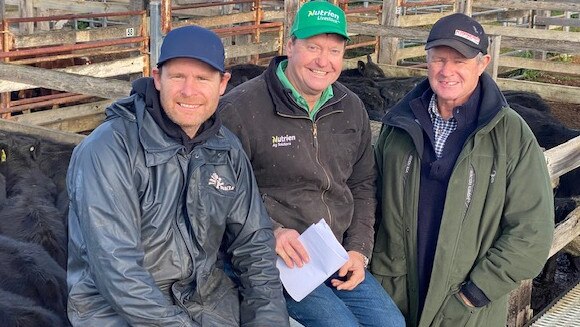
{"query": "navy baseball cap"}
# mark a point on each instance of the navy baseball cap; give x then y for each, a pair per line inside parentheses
(193, 42)
(459, 32)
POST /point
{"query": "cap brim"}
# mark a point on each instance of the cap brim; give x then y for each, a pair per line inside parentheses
(305, 33)
(212, 64)
(464, 49)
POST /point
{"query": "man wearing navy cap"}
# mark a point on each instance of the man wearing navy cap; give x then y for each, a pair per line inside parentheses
(309, 140)
(157, 191)
(465, 196)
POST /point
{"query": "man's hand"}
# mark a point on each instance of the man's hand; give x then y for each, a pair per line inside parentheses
(289, 248)
(353, 269)
(465, 300)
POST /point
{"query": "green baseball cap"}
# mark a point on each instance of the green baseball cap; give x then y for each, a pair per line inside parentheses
(319, 17)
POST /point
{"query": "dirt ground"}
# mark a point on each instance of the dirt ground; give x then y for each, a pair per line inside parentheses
(567, 113)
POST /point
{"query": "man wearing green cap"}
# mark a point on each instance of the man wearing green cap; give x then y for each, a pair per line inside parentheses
(309, 141)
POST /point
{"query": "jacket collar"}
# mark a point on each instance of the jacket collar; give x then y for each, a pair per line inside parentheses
(401, 115)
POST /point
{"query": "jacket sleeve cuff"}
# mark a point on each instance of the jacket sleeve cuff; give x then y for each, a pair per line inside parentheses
(474, 294)
(367, 252)
(275, 224)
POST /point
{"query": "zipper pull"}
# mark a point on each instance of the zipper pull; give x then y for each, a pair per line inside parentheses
(315, 134)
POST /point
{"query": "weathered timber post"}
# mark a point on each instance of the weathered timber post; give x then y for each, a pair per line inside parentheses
(155, 35)
(388, 46)
(165, 16)
(136, 5)
(493, 67)
(26, 9)
(290, 9)
(2, 9)
(464, 6)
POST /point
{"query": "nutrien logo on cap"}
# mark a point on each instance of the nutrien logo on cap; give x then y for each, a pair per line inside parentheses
(326, 15)
(467, 36)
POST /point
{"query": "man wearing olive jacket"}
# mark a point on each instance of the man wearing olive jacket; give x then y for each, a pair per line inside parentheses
(467, 207)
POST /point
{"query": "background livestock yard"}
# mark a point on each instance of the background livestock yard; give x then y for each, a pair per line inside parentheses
(63, 61)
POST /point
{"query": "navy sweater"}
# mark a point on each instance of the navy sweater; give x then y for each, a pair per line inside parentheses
(435, 174)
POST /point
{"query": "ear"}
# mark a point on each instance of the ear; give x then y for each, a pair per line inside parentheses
(156, 78)
(361, 67)
(369, 58)
(483, 63)
(224, 82)
(289, 47)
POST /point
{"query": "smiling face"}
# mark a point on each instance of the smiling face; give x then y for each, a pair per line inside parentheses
(189, 91)
(452, 76)
(314, 63)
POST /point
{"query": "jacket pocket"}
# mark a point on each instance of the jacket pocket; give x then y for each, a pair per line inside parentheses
(216, 301)
(396, 287)
(455, 313)
(392, 275)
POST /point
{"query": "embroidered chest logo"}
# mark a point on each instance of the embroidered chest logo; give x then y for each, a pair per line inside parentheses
(216, 181)
(279, 141)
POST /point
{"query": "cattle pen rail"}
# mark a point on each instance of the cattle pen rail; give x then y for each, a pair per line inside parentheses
(397, 28)
(560, 159)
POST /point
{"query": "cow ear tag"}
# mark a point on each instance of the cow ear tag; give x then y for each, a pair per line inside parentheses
(3, 156)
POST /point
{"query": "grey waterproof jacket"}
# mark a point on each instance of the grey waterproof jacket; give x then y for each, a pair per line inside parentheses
(147, 220)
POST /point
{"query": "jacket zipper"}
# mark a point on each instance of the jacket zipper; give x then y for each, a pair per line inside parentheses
(469, 193)
(407, 169)
(410, 232)
(315, 136)
(315, 144)
(468, 198)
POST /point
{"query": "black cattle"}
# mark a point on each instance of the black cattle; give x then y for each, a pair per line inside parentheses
(28, 270)
(242, 73)
(368, 70)
(369, 92)
(19, 311)
(30, 214)
(33, 183)
(53, 159)
(17, 152)
(527, 99)
(549, 131)
(2, 190)
(21, 152)
(36, 223)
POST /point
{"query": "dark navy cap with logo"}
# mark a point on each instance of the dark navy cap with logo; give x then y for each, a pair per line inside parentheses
(459, 32)
(193, 42)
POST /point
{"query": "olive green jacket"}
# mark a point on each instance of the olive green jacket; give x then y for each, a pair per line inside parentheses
(497, 224)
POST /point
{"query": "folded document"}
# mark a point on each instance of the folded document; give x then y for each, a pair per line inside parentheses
(326, 256)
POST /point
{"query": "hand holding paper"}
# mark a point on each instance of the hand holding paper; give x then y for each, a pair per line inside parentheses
(326, 256)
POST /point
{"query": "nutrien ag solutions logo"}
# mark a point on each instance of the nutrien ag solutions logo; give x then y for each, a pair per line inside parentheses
(279, 141)
(326, 15)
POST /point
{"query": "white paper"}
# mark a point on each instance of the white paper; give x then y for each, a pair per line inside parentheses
(326, 256)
